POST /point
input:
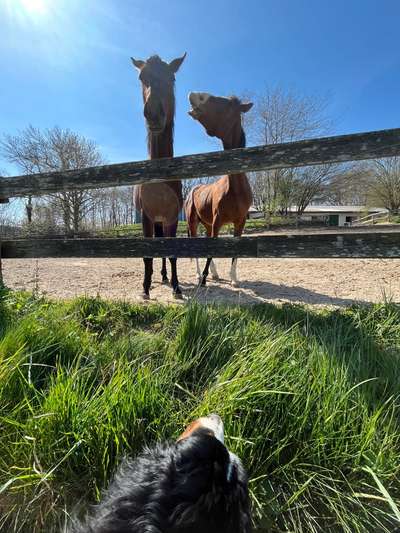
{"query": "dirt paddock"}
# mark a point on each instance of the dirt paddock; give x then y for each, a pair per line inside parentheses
(334, 282)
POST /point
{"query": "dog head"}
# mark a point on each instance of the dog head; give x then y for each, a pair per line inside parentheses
(211, 481)
(194, 485)
(204, 433)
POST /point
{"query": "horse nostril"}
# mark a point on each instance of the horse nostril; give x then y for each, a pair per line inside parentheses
(154, 109)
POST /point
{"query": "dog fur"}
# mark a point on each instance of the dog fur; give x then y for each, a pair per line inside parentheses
(194, 485)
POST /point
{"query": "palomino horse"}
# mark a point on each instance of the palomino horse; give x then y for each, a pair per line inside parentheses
(228, 199)
(160, 203)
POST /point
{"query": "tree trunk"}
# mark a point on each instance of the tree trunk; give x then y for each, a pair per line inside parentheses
(76, 216)
(29, 209)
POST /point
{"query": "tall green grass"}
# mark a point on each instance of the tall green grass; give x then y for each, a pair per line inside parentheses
(310, 400)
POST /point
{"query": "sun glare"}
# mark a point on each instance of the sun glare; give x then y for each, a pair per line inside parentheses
(34, 6)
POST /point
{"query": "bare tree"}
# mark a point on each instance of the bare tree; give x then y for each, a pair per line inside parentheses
(9, 215)
(280, 116)
(348, 185)
(34, 150)
(187, 185)
(384, 187)
(310, 182)
(112, 207)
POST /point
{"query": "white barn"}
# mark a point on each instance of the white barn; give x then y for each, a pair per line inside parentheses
(332, 215)
(339, 215)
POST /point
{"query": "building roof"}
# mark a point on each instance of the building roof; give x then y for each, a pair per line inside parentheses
(332, 209)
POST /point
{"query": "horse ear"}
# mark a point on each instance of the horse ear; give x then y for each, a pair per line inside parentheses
(176, 63)
(138, 63)
(246, 107)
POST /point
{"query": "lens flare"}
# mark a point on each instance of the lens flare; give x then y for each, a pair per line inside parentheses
(34, 6)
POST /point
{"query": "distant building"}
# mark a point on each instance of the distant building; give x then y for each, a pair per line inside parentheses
(331, 215)
(255, 213)
(339, 215)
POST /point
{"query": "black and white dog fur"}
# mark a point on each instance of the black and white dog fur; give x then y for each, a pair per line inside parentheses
(194, 485)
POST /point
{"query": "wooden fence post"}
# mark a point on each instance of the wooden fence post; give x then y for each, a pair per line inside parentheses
(2, 201)
(1, 269)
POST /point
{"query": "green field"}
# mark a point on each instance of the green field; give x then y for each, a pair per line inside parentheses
(310, 400)
(252, 226)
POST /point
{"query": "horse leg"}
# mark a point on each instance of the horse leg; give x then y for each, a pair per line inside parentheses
(176, 290)
(216, 226)
(238, 230)
(148, 228)
(170, 231)
(148, 273)
(199, 276)
(213, 266)
(164, 273)
(214, 272)
(204, 275)
(193, 223)
(159, 232)
(234, 280)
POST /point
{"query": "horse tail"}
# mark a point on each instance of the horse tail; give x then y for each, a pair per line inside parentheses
(189, 202)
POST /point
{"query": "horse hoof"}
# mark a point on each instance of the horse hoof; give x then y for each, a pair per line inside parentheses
(178, 295)
(234, 284)
(145, 296)
(165, 281)
(215, 278)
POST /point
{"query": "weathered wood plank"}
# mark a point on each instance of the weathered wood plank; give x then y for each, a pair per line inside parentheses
(370, 145)
(324, 245)
(1, 269)
(328, 245)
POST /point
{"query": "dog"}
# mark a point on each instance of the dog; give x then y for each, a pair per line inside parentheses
(194, 485)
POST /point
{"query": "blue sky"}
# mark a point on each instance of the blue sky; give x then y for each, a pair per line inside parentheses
(66, 62)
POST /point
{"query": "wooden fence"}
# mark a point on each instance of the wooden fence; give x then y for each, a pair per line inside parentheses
(343, 244)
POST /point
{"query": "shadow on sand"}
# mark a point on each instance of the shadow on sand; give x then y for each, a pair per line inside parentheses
(256, 292)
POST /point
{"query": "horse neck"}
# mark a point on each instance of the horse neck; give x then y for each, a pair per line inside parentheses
(236, 139)
(162, 145)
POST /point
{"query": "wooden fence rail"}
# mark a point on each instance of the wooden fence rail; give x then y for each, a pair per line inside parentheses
(342, 148)
(383, 244)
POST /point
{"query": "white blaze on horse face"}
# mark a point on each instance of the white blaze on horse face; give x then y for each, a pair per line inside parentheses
(234, 279)
(197, 100)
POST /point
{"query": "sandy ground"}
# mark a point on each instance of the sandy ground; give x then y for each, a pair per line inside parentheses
(312, 281)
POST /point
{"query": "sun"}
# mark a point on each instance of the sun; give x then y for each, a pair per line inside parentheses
(34, 6)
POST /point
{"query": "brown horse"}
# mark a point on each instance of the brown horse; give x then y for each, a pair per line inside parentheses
(159, 203)
(226, 201)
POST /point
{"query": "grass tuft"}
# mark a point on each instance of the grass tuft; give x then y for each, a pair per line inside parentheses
(310, 400)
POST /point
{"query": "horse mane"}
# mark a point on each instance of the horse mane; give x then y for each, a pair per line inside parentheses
(242, 139)
(154, 60)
